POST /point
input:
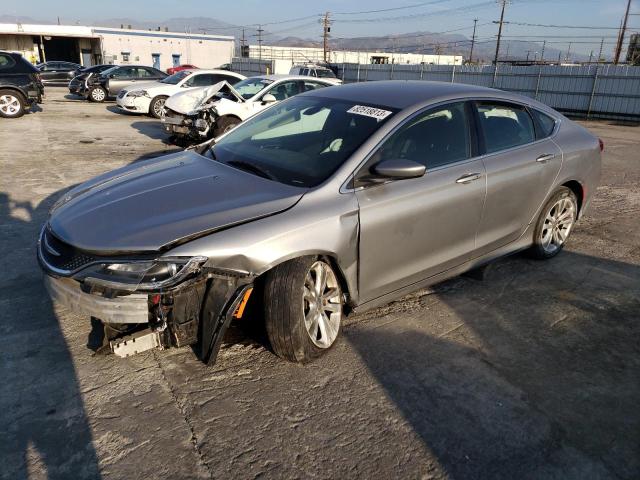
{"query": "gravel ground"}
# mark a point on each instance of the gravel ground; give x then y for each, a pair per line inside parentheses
(532, 372)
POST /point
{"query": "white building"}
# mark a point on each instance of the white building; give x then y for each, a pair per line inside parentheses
(94, 45)
(298, 55)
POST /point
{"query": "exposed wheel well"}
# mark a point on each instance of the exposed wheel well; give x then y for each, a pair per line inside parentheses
(578, 191)
(16, 90)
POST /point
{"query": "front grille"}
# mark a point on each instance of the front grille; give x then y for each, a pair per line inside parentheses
(61, 255)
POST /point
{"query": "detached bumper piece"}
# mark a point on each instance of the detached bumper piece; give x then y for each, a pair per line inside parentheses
(196, 313)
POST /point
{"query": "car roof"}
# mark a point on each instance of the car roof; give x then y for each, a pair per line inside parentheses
(282, 76)
(401, 94)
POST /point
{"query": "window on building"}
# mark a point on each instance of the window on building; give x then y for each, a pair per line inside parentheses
(125, 56)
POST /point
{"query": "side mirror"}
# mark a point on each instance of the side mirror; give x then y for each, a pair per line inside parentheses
(268, 98)
(112, 75)
(399, 168)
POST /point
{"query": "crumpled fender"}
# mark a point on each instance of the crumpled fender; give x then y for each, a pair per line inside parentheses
(190, 101)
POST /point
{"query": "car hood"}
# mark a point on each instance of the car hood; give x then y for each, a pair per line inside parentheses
(188, 102)
(146, 86)
(158, 203)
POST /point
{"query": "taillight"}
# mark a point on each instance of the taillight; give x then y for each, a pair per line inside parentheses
(601, 145)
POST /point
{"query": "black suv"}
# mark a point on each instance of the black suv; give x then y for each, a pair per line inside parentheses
(20, 85)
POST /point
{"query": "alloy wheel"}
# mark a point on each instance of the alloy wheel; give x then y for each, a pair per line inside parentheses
(158, 107)
(10, 105)
(322, 304)
(557, 224)
(98, 94)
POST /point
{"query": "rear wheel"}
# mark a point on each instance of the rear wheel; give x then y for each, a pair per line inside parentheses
(12, 104)
(554, 224)
(156, 107)
(224, 124)
(97, 94)
(303, 308)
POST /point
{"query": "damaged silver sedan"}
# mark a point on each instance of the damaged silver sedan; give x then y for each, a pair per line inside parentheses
(332, 201)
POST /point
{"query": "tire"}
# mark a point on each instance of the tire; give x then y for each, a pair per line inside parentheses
(297, 330)
(156, 107)
(12, 104)
(224, 124)
(556, 220)
(97, 94)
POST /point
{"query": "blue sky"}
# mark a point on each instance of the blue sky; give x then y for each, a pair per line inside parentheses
(434, 16)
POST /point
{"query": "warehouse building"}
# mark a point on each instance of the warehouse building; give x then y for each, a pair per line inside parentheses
(95, 45)
(298, 55)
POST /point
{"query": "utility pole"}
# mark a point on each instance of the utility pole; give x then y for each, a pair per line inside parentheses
(600, 53)
(504, 4)
(473, 40)
(616, 57)
(260, 31)
(528, 52)
(568, 57)
(590, 57)
(544, 44)
(326, 29)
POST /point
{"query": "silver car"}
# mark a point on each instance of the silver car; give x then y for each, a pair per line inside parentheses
(333, 201)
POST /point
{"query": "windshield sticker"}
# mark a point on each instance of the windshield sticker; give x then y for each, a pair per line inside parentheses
(376, 113)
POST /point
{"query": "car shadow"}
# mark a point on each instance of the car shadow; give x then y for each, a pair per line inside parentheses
(152, 129)
(538, 375)
(43, 420)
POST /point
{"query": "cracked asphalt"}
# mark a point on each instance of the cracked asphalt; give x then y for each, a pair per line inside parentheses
(530, 372)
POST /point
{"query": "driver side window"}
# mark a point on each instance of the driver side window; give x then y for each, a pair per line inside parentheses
(438, 137)
(284, 90)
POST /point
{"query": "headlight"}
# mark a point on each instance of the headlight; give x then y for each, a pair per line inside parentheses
(142, 275)
(201, 124)
(138, 93)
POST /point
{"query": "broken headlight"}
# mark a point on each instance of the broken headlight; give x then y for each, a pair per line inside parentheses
(141, 275)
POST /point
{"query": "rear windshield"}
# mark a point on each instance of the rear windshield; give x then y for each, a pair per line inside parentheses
(325, 73)
(300, 141)
(176, 77)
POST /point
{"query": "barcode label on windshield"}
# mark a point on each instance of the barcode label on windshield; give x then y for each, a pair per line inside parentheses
(376, 113)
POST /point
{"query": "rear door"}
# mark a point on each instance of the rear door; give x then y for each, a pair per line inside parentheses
(412, 229)
(520, 171)
(122, 77)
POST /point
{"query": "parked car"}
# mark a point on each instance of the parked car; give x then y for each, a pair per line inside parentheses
(179, 68)
(333, 201)
(20, 85)
(58, 71)
(203, 113)
(149, 98)
(108, 84)
(77, 82)
(313, 70)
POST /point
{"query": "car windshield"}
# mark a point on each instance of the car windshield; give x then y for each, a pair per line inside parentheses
(249, 87)
(109, 70)
(325, 73)
(300, 141)
(176, 77)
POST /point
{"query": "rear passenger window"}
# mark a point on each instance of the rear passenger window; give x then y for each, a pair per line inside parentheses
(6, 62)
(438, 137)
(504, 125)
(545, 124)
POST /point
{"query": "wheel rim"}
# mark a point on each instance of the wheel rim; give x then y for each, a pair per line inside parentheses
(158, 107)
(98, 94)
(10, 104)
(557, 225)
(229, 127)
(322, 305)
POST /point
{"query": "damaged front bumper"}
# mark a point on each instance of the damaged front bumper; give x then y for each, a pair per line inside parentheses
(195, 310)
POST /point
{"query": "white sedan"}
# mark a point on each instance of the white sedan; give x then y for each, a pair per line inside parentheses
(149, 98)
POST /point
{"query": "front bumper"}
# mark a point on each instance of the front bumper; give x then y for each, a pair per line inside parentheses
(133, 104)
(126, 309)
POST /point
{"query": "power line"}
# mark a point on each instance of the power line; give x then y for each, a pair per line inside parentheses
(417, 5)
(585, 27)
(419, 15)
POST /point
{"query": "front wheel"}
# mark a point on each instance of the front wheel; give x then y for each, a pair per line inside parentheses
(224, 124)
(156, 107)
(98, 94)
(12, 104)
(303, 308)
(554, 224)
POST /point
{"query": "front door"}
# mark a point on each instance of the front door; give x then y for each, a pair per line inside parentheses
(86, 57)
(413, 229)
(520, 172)
(155, 57)
(175, 59)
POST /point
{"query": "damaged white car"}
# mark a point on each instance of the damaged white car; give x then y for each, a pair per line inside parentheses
(203, 113)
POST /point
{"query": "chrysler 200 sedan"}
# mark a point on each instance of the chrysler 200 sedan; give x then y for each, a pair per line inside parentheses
(332, 201)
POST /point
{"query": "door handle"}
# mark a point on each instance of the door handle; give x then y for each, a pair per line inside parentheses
(469, 177)
(545, 157)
